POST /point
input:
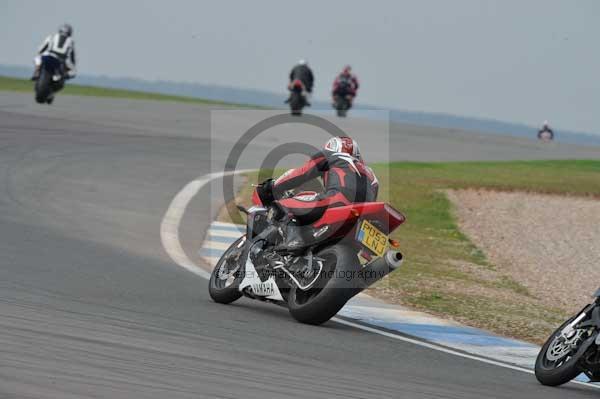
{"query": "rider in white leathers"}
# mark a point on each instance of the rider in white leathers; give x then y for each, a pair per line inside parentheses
(60, 46)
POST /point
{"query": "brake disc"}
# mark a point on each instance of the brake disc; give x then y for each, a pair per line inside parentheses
(561, 346)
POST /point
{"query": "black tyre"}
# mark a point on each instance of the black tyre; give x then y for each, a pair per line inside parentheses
(43, 87)
(341, 106)
(296, 104)
(341, 112)
(557, 363)
(226, 277)
(331, 292)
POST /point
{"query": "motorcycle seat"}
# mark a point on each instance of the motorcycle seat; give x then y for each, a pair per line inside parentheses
(308, 206)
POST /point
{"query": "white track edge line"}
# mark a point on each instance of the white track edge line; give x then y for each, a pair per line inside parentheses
(169, 227)
(445, 350)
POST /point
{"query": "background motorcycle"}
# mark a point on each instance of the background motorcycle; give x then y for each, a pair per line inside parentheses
(50, 80)
(342, 99)
(546, 135)
(317, 280)
(572, 349)
(297, 99)
(342, 105)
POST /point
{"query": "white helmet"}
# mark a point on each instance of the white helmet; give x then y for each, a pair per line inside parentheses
(302, 61)
(545, 123)
(343, 144)
(65, 30)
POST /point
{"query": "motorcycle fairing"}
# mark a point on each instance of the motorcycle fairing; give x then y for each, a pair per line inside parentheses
(267, 289)
(53, 66)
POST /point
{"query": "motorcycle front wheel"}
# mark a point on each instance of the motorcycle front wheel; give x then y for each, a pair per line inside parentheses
(558, 360)
(332, 290)
(227, 275)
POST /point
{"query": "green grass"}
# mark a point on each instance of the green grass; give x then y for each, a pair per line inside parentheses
(21, 85)
(417, 190)
(445, 273)
(434, 246)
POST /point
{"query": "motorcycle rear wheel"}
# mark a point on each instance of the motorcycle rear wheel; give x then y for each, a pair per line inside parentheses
(296, 104)
(341, 112)
(333, 289)
(43, 87)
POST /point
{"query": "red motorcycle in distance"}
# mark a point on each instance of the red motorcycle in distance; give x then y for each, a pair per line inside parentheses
(343, 96)
(329, 256)
(297, 99)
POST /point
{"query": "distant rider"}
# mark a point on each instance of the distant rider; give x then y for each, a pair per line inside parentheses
(345, 85)
(545, 130)
(60, 46)
(303, 73)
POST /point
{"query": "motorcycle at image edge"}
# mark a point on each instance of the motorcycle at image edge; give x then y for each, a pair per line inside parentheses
(51, 79)
(297, 99)
(317, 279)
(574, 348)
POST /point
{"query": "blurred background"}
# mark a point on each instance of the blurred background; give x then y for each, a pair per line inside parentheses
(512, 61)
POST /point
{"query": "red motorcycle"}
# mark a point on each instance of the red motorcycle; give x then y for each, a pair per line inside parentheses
(297, 99)
(313, 262)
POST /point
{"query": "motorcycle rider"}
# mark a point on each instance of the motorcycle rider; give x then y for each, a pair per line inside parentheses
(346, 179)
(60, 46)
(345, 84)
(545, 129)
(302, 72)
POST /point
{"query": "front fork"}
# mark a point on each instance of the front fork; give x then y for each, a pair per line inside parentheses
(591, 311)
(569, 329)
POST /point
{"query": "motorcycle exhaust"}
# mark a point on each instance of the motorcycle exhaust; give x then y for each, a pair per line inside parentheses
(379, 268)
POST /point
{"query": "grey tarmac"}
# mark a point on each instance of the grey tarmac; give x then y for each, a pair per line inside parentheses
(91, 305)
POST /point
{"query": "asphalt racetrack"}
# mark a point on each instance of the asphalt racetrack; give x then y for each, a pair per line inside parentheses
(92, 306)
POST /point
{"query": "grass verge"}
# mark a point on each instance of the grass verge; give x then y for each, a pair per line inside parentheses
(22, 85)
(445, 274)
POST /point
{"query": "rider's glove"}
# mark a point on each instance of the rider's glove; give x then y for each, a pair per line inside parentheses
(265, 191)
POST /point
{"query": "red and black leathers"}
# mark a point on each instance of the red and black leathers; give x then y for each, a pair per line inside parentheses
(346, 180)
(345, 84)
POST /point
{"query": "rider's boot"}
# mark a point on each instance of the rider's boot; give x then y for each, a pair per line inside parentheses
(293, 242)
(273, 259)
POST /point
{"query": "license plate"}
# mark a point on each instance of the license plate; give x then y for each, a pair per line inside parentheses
(372, 238)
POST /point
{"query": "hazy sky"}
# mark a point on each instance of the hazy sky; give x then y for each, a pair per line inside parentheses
(513, 60)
